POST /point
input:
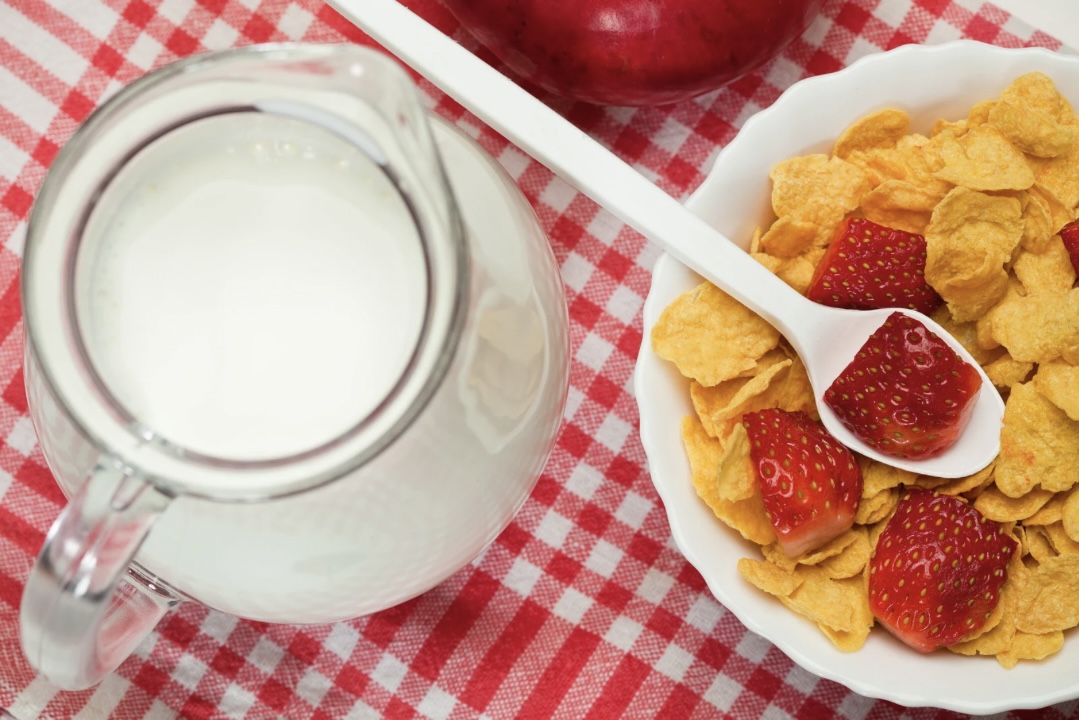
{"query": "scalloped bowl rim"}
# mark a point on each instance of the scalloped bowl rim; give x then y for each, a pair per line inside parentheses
(930, 82)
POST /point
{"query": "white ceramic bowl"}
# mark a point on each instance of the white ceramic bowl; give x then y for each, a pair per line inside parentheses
(929, 82)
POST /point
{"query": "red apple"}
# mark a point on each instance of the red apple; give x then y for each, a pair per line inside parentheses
(633, 52)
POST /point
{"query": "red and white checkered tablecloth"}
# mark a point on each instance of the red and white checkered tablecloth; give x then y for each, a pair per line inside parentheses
(583, 607)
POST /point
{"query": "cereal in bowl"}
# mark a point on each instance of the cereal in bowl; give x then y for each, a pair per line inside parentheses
(974, 223)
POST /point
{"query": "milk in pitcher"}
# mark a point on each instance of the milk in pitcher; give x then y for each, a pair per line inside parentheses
(253, 285)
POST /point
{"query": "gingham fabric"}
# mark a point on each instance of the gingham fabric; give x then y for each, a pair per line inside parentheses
(583, 607)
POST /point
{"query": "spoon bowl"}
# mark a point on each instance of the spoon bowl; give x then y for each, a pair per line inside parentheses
(833, 336)
(825, 338)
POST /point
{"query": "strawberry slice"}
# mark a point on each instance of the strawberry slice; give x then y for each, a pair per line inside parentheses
(1070, 235)
(869, 266)
(937, 570)
(906, 393)
(810, 483)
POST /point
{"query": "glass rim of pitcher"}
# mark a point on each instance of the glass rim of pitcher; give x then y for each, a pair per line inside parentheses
(55, 338)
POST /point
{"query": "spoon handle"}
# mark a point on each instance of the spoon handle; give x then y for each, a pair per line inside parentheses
(579, 160)
(822, 336)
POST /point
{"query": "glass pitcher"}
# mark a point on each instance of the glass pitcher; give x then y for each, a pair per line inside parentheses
(296, 350)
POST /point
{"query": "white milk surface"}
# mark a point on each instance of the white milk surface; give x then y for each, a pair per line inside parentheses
(250, 298)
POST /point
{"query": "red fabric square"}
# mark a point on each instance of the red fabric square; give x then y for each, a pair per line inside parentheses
(568, 232)
(304, 648)
(152, 679)
(274, 695)
(934, 7)
(258, 29)
(822, 63)
(18, 201)
(38, 478)
(982, 29)
(664, 623)
(178, 630)
(139, 13)
(77, 106)
(713, 653)
(398, 709)
(20, 532)
(604, 392)
(691, 578)
(585, 312)
(632, 144)
(764, 683)
(198, 707)
(645, 549)
(182, 43)
(563, 568)
(45, 151)
(381, 628)
(615, 264)
(574, 440)
(682, 175)
(546, 491)
(108, 60)
(614, 596)
(852, 17)
(514, 538)
(227, 662)
(593, 519)
(351, 680)
(624, 471)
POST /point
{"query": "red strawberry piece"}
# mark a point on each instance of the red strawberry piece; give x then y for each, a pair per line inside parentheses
(1070, 235)
(937, 570)
(869, 266)
(906, 393)
(810, 483)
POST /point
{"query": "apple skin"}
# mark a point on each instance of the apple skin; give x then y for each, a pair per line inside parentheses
(633, 52)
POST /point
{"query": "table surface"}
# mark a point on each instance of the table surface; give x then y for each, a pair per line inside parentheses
(583, 607)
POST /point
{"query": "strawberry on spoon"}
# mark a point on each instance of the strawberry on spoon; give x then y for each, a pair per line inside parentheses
(937, 570)
(906, 393)
(810, 483)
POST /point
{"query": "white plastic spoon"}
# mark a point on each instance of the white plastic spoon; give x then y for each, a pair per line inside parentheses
(827, 339)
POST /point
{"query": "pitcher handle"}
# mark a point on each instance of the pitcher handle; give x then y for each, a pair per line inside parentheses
(83, 609)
